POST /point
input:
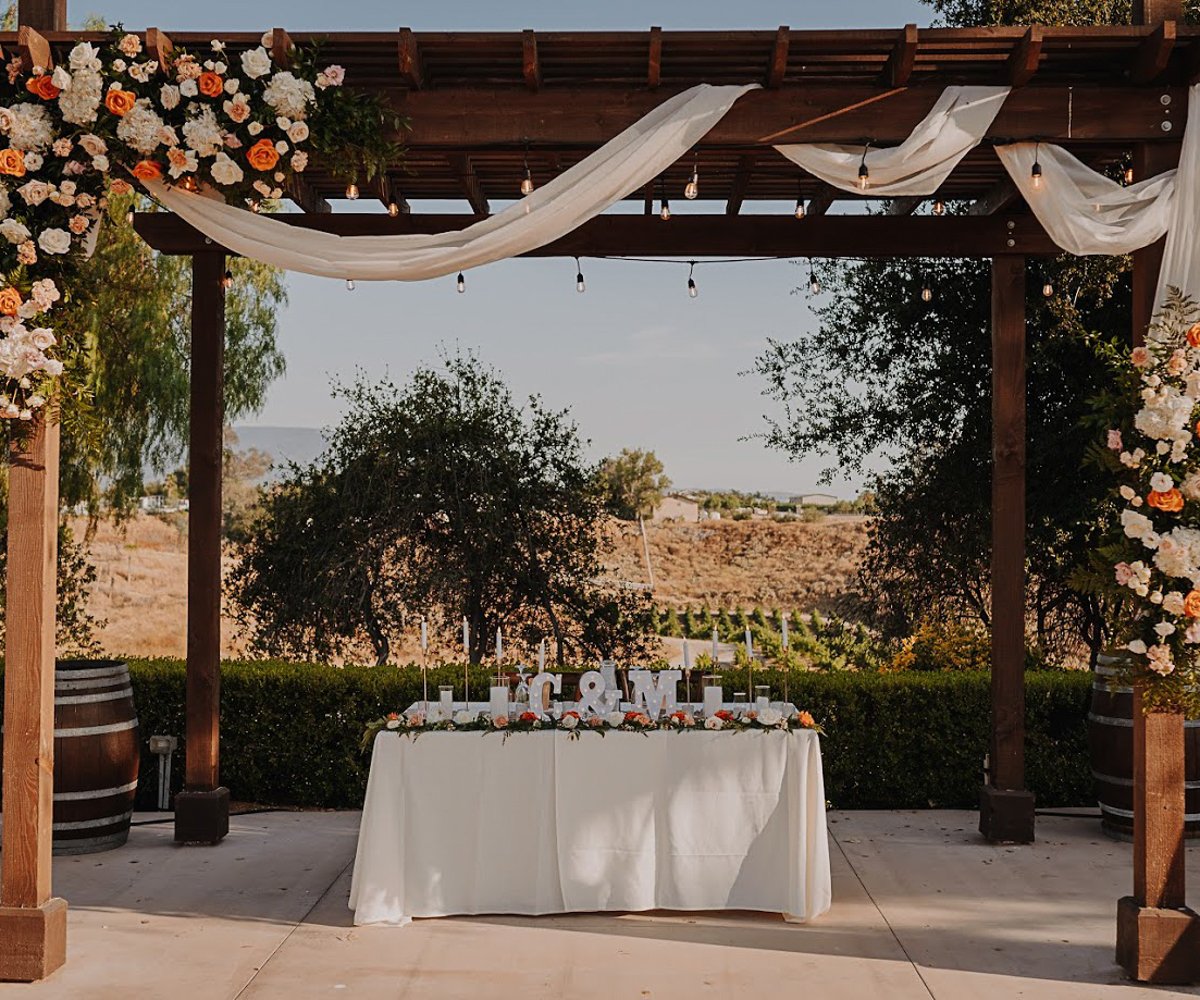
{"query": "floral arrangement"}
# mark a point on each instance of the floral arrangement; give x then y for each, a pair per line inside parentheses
(571, 722)
(238, 124)
(1154, 566)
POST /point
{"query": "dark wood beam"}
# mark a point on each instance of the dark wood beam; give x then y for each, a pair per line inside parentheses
(822, 201)
(160, 48)
(303, 195)
(900, 63)
(1157, 11)
(45, 15)
(905, 206)
(34, 49)
(410, 59)
(1025, 56)
(472, 188)
(531, 67)
(779, 57)
(389, 195)
(688, 236)
(1002, 194)
(741, 183)
(1154, 54)
(454, 117)
(654, 63)
(648, 199)
(1006, 807)
(202, 808)
(281, 47)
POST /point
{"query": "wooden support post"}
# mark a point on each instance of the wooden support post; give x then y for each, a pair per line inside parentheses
(45, 15)
(33, 924)
(202, 808)
(1006, 808)
(1158, 937)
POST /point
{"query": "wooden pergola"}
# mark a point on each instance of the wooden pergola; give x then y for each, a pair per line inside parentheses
(482, 107)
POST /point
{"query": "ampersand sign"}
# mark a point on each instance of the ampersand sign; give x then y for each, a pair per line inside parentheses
(591, 693)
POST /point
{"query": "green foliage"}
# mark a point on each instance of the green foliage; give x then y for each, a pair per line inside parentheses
(290, 732)
(633, 483)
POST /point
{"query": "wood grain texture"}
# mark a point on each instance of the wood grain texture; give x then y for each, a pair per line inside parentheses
(1158, 806)
(204, 522)
(34, 49)
(29, 665)
(48, 15)
(1008, 523)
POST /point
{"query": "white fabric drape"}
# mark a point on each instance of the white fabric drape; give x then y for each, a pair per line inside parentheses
(623, 165)
(458, 823)
(918, 166)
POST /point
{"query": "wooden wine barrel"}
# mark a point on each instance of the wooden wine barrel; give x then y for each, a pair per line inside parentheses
(96, 755)
(1110, 742)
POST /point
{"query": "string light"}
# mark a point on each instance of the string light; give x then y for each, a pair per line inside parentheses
(939, 207)
(393, 209)
(190, 184)
(926, 293)
(691, 190)
(227, 280)
(1035, 172)
(1047, 289)
(799, 201)
(664, 211)
(580, 284)
(864, 174)
(349, 284)
(692, 291)
(527, 180)
(814, 285)
(462, 283)
(1129, 175)
(352, 191)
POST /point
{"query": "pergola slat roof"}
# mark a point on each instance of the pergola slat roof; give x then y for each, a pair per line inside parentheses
(476, 100)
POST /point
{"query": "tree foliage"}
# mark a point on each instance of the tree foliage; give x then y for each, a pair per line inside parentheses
(442, 497)
(633, 483)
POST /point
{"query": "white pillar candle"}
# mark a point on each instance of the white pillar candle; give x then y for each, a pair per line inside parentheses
(466, 638)
(714, 649)
(712, 700)
(498, 704)
(687, 655)
(542, 657)
(749, 645)
(499, 646)
(424, 635)
(786, 616)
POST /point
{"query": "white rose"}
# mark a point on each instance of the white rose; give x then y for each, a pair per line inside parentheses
(463, 718)
(1137, 646)
(93, 145)
(770, 717)
(61, 78)
(256, 63)
(100, 163)
(298, 132)
(168, 97)
(188, 88)
(570, 721)
(614, 719)
(1164, 629)
(14, 231)
(55, 241)
(393, 723)
(299, 162)
(33, 162)
(712, 722)
(232, 85)
(35, 192)
(226, 171)
(254, 128)
(1173, 603)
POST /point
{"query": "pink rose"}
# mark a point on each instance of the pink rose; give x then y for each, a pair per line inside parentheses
(1140, 357)
(1114, 440)
(1123, 573)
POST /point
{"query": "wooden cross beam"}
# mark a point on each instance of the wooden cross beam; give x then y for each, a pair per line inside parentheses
(902, 59)
(1023, 61)
(410, 59)
(34, 49)
(779, 57)
(1154, 54)
(281, 47)
(741, 183)
(531, 67)
(822, 201)
(304, 196)
(1002, 194)
(905, 206)
(472, 188)
(48, 15)
(160, 48)
(654, 62)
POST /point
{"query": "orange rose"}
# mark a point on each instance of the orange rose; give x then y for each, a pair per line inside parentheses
(147, 170)
(12, 162)
(120, 102)
(1191, 604)
(262, 155)
(1193, 335)
(211, 85)
(43, 87)
(119, 186)
(10, 301)
(1171, 501)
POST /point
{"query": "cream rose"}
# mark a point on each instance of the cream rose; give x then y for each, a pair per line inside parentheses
(55, 241)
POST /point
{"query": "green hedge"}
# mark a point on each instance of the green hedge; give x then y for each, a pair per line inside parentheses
(290, 732)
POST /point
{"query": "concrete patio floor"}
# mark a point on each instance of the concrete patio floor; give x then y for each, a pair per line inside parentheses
(922, 908)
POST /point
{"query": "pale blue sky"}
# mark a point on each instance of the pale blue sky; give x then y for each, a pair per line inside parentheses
(638, 362)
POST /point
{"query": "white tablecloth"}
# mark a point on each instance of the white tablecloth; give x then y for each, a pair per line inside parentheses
(466, 823)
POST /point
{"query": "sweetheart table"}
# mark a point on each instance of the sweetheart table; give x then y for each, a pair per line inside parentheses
(537, 823)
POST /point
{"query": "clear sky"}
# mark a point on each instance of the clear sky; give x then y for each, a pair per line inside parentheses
(638, 362)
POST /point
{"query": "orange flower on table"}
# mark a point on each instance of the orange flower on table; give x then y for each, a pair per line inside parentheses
(806, 720)
(10, 301)
(262, 155)
(12, 162)
(1170, 500)
(1191, 604)
(1193, 335)
(211, 84)
(724, 715)
(43, 87)
(528, 717)
(147, 170)
(120, 102)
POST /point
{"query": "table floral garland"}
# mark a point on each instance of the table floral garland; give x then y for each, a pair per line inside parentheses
(1153, 566)
(572, 723)
(241, 126)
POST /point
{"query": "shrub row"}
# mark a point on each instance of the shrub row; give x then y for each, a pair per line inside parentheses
(290, 732)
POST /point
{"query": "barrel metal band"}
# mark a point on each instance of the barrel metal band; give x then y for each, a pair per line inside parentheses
(93, 699)
(1128, 813)
(102, 682)
(115, 727)
(1113, 779)
(98, 793)
(96, 672)
(1108, 720)
(89, 824)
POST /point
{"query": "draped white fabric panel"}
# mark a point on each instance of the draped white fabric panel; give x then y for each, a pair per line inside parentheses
(623, 165)
(1083, 211)
(918, 166)
(1181, 258)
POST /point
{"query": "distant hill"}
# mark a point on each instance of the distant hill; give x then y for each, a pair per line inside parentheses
(283, 444)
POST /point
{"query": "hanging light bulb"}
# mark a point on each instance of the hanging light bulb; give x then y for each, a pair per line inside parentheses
(939, 207)
(1035, 172)
(580, 284)
(462, 283)
(393, 209)
(349, 284)
(227, 280)
(799, 208)
(814, 286)
(1129, 175)
(691, 190)
(352, 191)
(864, 173)
(664, 213)
(527, 180)
(692, 290)
(926, 293)
(1047, 289)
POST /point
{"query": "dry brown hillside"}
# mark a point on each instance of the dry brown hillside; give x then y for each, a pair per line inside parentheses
(141, 585)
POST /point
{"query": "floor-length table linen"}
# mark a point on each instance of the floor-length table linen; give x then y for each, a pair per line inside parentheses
(538, 823)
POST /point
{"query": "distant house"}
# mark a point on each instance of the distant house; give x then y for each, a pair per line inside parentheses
(675, 508)
(818, 500)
